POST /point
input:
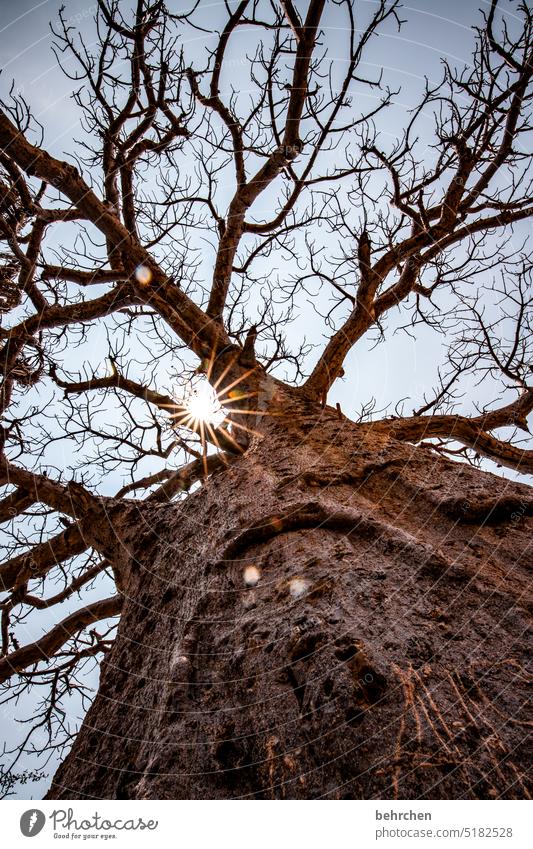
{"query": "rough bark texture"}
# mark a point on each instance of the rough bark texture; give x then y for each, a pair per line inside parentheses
(393, 667)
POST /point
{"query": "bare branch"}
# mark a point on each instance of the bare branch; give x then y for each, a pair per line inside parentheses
(45, 648)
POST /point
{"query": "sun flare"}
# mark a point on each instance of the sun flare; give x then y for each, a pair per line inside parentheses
(201, 403)
(214, 411)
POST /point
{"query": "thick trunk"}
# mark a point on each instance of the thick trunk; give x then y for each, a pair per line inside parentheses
(381, 653)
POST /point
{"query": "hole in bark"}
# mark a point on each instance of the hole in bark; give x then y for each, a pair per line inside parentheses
(354, 715)
(298, 689)
(448, 767)
(328, 687)
(125, 787)
(123, 793)
(167, 596)
(346, 653)
(372, 684)
(227, 754)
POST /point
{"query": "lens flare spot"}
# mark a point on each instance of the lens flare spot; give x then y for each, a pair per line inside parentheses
(251, 576)
(298, 587)
(143, 275)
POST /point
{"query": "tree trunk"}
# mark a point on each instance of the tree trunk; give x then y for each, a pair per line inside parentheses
(380, 654)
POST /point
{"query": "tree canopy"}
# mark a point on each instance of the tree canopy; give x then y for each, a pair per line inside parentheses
(211, 208)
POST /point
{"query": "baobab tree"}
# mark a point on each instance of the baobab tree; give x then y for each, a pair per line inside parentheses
(304, 605)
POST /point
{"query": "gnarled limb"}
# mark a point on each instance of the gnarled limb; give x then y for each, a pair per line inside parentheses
(182, 479)
(471, 432)
(37, 562)
(188, 320)
(15, 503)
(72, 498)
(50, 643)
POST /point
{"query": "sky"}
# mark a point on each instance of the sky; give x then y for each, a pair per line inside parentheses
(405, 366)
(433, 29)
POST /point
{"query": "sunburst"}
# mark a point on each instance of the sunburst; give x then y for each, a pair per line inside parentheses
(200, 404)
(210, 410)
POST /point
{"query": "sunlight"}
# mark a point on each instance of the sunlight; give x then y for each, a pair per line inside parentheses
(205, 408)
(201, 403)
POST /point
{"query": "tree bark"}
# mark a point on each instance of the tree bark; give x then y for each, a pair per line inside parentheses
(381, 653)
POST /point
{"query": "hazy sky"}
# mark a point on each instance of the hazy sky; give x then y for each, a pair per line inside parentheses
(434, 29)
